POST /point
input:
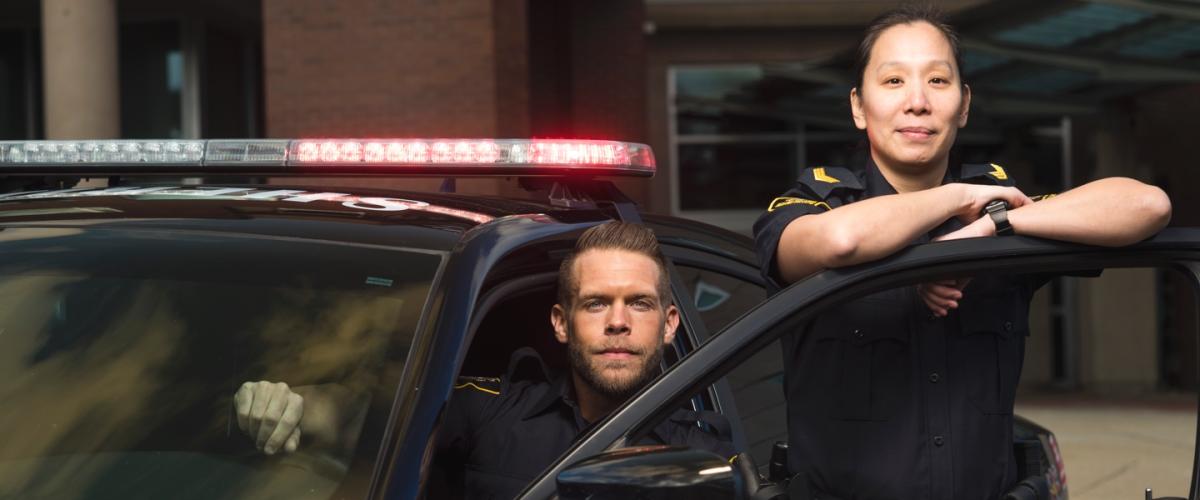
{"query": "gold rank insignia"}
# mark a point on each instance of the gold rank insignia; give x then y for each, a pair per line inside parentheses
(820, 175)
(998, 172)
(784, 201)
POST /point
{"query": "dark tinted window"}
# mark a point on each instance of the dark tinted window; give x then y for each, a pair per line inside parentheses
(120, 353)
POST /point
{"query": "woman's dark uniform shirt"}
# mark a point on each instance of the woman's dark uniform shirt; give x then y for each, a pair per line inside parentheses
(884, 400)
(499, 434)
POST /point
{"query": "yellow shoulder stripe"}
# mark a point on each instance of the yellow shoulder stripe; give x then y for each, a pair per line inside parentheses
(472, 384)
(998, 172)
(784, 201)
(1043, 197)
(820, 175)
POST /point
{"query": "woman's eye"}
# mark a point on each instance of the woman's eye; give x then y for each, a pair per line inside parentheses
(892, 81)
(937, 80)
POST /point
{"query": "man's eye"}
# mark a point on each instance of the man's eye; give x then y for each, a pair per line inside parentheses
(893, 81)
(593, 305)
(643, 305)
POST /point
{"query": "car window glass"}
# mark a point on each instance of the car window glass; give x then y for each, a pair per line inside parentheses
(757, 386)
(121, 353)
(719, 298)
(1109, 385)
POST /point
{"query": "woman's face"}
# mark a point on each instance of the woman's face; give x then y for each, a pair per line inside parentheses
(911, 102)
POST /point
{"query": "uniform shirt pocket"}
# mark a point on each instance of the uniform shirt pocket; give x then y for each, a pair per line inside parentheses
(866, 346)
(988, 350)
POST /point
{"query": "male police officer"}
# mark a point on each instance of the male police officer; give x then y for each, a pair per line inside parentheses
(614, 314)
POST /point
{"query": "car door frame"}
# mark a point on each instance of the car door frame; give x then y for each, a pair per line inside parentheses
(797, 304)
(720, 392)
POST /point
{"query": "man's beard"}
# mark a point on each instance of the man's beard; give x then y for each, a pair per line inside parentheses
(618, 389)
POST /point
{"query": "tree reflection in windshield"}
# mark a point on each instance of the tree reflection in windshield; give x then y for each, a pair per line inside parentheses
(120, 353)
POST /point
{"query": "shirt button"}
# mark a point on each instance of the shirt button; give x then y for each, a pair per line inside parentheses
(1008, 326)
(934, 377)
(858, 333)
(938, 441)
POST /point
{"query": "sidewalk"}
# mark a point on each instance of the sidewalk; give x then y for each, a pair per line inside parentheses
(1116, 448)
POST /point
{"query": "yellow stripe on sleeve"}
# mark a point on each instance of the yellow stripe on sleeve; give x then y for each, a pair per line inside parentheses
(472, 384)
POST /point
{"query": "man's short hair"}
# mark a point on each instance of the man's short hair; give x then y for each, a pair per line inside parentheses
(614, 235)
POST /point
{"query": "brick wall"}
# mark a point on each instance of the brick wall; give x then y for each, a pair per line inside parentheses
(379, 67)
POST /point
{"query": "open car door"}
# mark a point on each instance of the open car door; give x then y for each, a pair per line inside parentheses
(1177, 249)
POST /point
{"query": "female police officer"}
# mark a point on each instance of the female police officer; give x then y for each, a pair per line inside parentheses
(909, 393)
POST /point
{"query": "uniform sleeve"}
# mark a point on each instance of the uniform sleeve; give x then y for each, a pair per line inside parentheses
(701, 430)
(1040, 280)
(768, 229)
(467, 403)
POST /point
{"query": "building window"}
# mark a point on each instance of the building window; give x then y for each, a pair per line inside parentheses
(737, 142)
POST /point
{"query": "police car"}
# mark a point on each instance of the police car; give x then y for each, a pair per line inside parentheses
(133, 312)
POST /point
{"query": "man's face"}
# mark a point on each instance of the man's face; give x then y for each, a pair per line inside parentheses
(617, 324)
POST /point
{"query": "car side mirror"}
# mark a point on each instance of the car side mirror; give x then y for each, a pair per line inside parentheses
(659, 472)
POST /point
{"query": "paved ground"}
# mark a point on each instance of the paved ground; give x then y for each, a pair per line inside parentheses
(1115, 449)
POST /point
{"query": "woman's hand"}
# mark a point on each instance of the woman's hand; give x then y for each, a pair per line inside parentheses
(942, 296)
(975, 197)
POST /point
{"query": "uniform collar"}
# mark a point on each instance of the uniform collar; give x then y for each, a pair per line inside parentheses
(558, 394)
(878, 185)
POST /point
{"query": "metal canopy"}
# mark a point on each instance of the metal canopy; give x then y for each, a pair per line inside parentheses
(1024, 59)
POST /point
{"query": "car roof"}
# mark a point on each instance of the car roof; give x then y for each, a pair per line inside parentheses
(373, 216)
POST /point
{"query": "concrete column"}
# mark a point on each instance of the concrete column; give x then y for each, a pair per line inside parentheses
(1118, 316)
(79, 54)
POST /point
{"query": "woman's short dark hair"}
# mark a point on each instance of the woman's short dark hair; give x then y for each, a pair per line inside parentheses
(905, 14)
(614, 235)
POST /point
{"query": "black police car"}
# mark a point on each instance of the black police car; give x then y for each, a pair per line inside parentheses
(132, 313)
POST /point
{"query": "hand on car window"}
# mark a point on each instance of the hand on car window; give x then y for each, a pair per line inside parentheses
(269, 413)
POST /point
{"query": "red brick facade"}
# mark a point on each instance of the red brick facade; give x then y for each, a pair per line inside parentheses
(379, 68)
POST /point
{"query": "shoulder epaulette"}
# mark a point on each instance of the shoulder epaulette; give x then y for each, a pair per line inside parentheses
(990, 173)
(487, 385)
(824, 180)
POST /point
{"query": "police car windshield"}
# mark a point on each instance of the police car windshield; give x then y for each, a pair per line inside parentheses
(121, 351)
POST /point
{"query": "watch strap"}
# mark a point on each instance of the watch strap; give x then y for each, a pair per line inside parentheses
(998, 211)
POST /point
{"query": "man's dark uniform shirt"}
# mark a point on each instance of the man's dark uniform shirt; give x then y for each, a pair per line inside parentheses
(884, 400)
(499, 434)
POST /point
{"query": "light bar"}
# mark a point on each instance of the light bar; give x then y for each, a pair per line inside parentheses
(101, 152)
(436, 157)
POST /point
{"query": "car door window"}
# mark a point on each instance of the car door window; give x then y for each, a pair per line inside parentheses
(718, 297)
(757, 385)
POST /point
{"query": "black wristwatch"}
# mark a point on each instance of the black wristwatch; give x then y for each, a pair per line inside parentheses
(998, 210)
